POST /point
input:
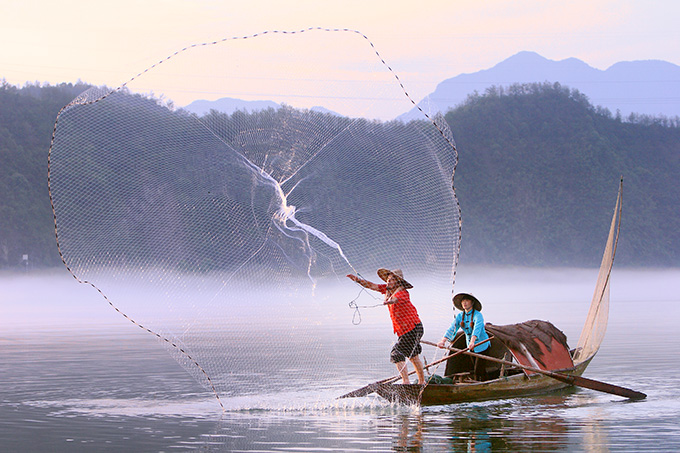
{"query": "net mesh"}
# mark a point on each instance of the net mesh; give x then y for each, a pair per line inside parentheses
(229, 235)
(595, 326)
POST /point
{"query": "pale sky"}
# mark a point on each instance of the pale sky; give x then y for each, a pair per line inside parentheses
(107, 43)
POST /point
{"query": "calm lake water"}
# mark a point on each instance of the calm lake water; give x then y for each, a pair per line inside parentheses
(77, 377)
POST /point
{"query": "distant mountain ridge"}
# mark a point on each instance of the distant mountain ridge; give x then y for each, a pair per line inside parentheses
(228, 105)
(650, 87)
(231, 105)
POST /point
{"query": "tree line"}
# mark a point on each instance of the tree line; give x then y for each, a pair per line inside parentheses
(537, 177)
(26, 122)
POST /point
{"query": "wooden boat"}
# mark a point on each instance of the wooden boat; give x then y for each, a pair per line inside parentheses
(505, 380)
(524, 359)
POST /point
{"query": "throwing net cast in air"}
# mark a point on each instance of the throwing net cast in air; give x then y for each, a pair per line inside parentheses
(228, 235)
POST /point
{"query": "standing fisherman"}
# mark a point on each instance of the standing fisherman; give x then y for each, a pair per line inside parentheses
(405, 320)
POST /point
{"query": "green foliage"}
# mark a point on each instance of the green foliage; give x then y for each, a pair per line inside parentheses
(26, 122)
(537, 177)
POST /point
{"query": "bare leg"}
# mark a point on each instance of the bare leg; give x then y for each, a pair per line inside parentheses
(418, 365)
(401, 367)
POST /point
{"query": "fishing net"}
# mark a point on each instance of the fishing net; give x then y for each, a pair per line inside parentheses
(229, 235)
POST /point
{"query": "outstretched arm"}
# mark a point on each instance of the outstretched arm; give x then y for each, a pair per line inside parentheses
(363, 282)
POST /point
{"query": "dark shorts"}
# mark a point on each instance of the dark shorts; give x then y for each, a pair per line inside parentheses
(408, 345)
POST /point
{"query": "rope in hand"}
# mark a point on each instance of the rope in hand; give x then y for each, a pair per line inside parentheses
(356, 317)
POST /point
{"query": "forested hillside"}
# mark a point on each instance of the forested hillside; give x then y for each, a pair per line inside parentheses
(537, 178)
(26, 122)
(538, 174)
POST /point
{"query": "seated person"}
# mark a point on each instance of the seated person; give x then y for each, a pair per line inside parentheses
(471, 321)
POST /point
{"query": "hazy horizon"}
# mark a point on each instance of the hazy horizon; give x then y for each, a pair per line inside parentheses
(435, 41)
(52, 300)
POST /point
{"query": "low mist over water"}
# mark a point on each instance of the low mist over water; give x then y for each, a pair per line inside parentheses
(53, 300)
(79, 376)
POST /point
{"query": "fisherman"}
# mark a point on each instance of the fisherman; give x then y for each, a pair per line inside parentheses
(405, 320)
(471, 321)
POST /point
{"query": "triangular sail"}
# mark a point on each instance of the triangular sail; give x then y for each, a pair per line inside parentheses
(596, 324)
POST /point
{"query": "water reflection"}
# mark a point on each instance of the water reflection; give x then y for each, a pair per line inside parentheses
(594, 434)
(410, 429)
(116, 388)
(471, 433)
(512, 425)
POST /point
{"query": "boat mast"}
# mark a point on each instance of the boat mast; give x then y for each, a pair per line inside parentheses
(595, 326)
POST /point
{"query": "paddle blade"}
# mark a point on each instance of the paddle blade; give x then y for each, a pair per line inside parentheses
(607, 388)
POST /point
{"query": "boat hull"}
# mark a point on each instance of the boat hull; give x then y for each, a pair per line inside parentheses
(504, 387)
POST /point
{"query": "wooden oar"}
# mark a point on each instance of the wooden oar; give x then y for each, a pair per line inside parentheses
(578, 381)
(370, 388)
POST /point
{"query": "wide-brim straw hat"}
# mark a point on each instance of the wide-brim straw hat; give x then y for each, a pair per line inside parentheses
(458, 301)
(398, 274)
